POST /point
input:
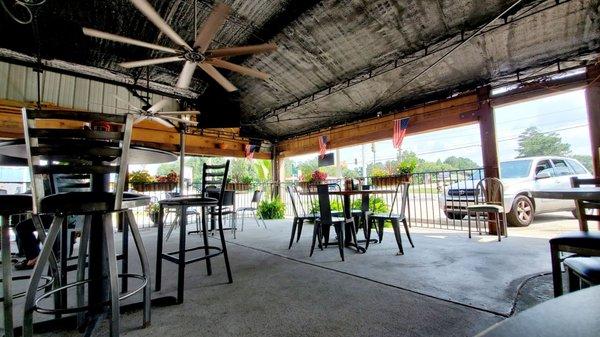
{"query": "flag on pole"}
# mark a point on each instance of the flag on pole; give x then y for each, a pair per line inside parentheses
(400, 126)
(249, 151)
(323, 141)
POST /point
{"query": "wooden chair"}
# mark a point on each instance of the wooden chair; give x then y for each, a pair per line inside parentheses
(583, 268)
(80, 151)
(489, 198)
(394, 218)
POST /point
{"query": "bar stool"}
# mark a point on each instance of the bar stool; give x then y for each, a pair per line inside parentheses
(10, 205)
(213, 176)
(97, 154)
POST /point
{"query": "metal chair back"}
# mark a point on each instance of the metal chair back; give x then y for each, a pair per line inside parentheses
(58, 142)
(256, 197)
(214, 178)
(292, 199)
(404, 199)
(490, 191)
(324, 200)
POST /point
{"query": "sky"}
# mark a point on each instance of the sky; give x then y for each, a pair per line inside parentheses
(564, 113)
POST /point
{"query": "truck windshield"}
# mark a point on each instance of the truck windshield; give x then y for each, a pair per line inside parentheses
(515, 169)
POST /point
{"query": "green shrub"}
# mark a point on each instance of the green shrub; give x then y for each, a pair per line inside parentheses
(273, 209)
(336, 206)
(376, 205)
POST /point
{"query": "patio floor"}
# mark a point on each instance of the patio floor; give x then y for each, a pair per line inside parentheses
(447, 285)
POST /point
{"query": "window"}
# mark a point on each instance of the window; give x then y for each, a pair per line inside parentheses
(515, 169)
(576, 167)
(561, 168)
(543, 165)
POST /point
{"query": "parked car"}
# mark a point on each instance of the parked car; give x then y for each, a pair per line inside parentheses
(519, 177)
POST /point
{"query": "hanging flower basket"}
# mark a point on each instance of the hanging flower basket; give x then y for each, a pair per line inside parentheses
(238, 186)
(155, 186)
(391, 180)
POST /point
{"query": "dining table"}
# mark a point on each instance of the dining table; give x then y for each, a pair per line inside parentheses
(578, 194)
(574, 314)
(347, 209)
(15, 152)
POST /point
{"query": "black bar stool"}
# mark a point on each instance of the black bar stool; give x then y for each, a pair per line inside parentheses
(213, 176)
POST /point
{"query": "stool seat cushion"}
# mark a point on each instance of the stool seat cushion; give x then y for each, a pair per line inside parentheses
(84, 202)
(579, 239)
(586, 267)
(15, 203)
(194, 200)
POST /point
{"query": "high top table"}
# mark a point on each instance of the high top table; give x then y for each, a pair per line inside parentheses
(574, 193)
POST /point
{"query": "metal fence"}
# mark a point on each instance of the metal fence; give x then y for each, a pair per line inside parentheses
(436, 199)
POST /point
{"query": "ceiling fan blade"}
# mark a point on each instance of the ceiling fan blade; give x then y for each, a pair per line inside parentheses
(238, 69)
(242, 50)
(149, 62)
(216, 75)
(187, 73)
(128, 104)
(161, 113)
(149, 11)
(180, 120)
(117, 38)
(158, 105)
(215, 20)
(161, 121)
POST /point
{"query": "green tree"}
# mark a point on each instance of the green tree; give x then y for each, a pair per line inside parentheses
(460, 163)
(585, 160)
(532, 142)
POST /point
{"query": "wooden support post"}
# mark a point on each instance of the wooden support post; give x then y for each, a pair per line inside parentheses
(592, 99)
(277, 174)
(489, 148)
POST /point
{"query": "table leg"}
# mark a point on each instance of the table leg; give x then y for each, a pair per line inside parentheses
(123, 221)
(99, 287)
(7, 278)
(159, 248)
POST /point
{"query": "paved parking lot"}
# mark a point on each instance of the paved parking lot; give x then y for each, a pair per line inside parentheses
(547, 226)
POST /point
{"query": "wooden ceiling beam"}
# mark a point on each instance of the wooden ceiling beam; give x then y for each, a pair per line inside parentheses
(145, 133)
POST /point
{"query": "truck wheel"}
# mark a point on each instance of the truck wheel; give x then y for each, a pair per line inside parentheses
(521, 213)
(456, 216)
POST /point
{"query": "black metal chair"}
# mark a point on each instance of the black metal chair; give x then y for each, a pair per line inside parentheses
(394, 218)
(228, 210)
(213, 176)
(191, 212)
(299, 215)
(82, 151)
(253, 209)
(583, 268)
(361, 216)
(326, 219)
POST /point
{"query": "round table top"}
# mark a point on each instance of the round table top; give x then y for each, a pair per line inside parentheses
(573, 314)
(14, 150)
(574, 193)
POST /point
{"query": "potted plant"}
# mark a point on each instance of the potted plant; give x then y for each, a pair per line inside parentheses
(394, 175)
(379, 176)
(240, 183)
(140, 180)
(153, 210)
(316, 177)
(167, 182)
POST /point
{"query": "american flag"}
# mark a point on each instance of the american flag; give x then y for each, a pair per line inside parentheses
(323, 141)
(249, 151)
(400, 126)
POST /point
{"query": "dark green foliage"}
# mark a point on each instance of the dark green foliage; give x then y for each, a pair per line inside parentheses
(272, 209)
(376, 205)
(532, 142)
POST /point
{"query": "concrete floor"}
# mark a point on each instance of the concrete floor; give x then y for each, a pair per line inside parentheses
(448, 285)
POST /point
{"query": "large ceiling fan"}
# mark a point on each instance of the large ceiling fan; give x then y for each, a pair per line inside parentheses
(167, 118)
(197, 55)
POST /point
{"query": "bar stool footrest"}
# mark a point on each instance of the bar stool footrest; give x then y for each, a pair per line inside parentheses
(168, 257)
(48, 279)
(64, 311)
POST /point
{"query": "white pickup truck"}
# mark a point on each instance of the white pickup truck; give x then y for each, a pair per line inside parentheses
(519, 177)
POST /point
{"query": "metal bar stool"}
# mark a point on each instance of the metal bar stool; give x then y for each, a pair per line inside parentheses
(98, 154)
(213, 176)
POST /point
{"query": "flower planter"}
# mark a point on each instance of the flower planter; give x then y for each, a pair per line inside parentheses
(238, 186)
(149, 187)
(391, 180)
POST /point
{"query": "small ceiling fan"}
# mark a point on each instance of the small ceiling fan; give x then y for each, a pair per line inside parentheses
(197, 55)
(166, 118)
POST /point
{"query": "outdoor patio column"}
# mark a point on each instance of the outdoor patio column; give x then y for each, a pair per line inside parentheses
(592, 99)
(277, 174)
(489, 148)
